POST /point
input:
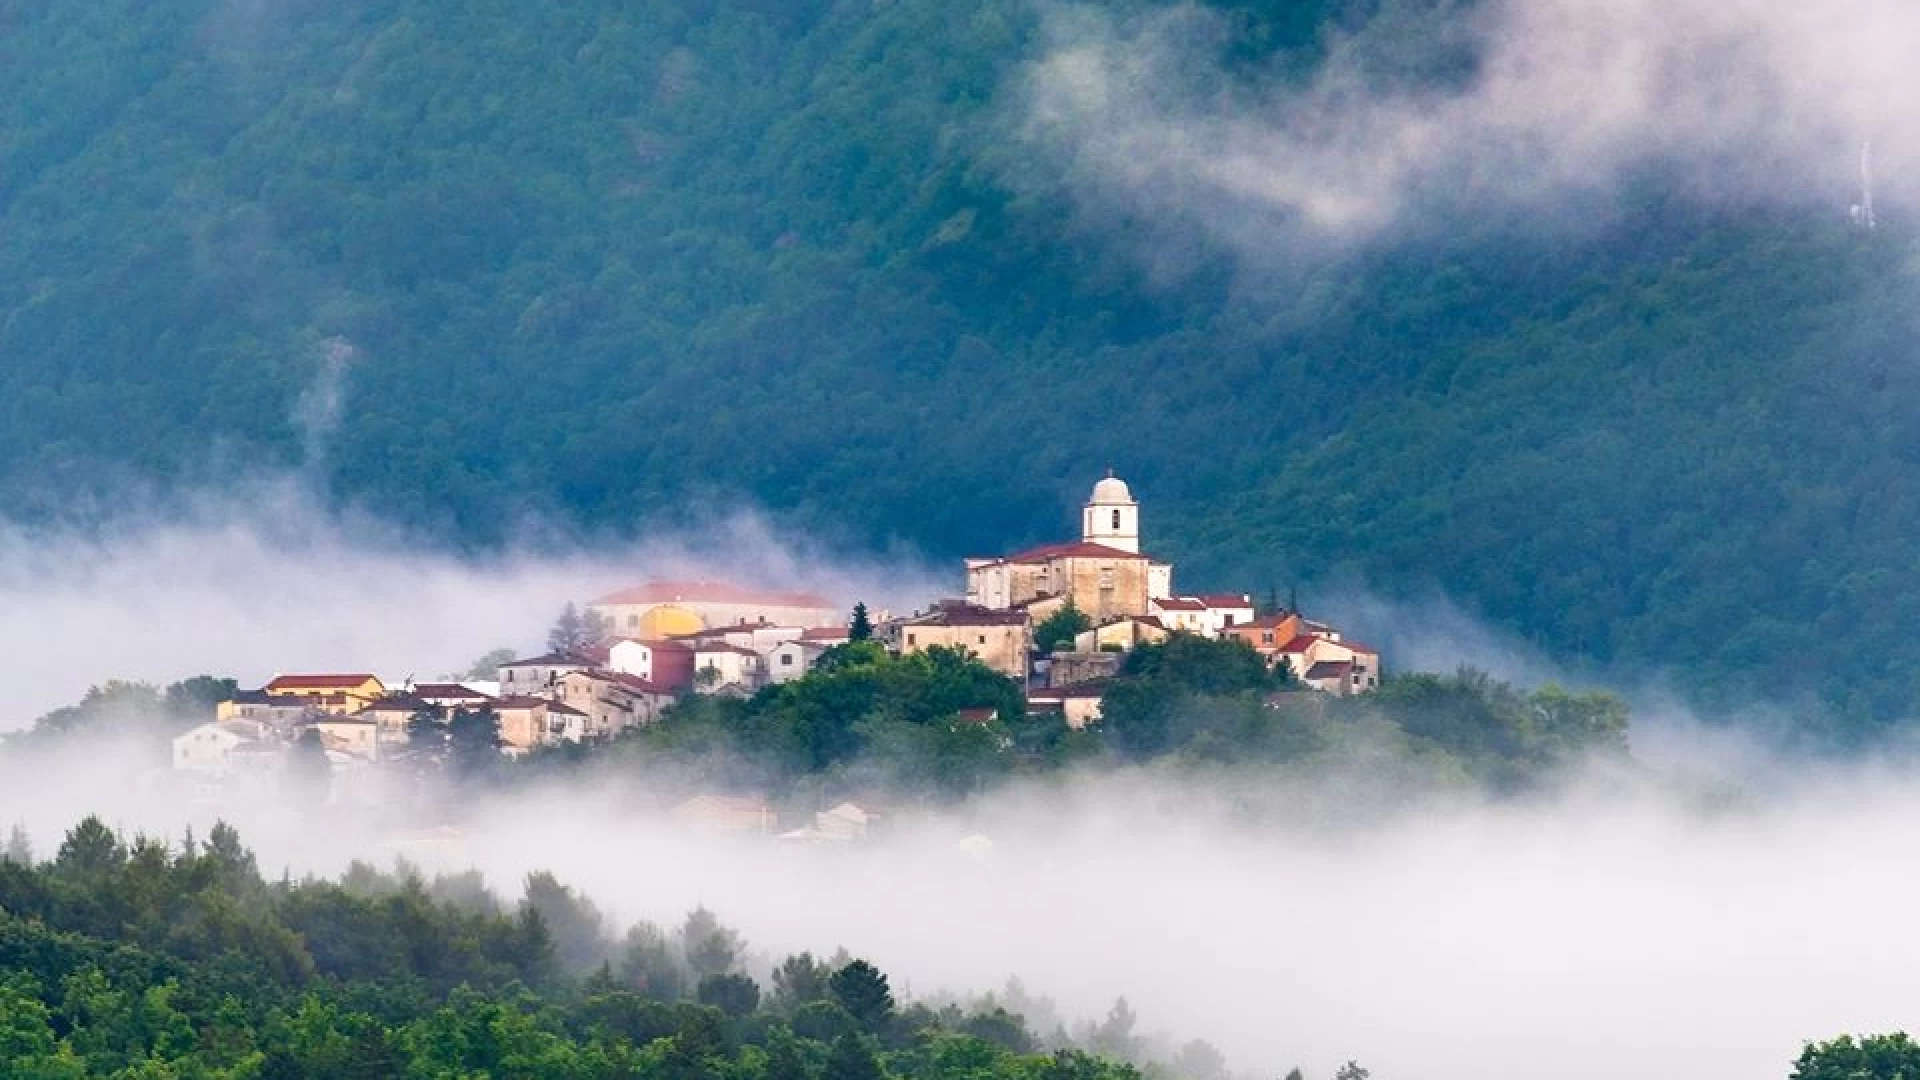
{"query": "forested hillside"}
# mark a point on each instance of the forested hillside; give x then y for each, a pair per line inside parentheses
(592, 261)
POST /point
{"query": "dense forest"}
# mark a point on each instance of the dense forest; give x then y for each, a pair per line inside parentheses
(588, 263)
(144, 960)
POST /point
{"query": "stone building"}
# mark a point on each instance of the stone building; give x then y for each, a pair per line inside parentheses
(1001, 639)
(1103, 573)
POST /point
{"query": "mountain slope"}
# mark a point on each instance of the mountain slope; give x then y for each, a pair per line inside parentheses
(594, 261)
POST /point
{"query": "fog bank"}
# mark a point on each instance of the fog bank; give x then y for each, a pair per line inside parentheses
(1626, 925)
(1496, 108)
(261, 581)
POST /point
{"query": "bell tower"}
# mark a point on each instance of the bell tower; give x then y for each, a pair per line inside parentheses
(1111, 516)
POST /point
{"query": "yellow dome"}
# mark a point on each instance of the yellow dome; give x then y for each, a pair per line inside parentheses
(667, 621)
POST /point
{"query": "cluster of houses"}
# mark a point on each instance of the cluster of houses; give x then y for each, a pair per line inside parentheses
(655, 643)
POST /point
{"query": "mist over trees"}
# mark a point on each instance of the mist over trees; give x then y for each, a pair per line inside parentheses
(131, 959)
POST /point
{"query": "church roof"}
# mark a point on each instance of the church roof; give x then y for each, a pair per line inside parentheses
(1076, 549)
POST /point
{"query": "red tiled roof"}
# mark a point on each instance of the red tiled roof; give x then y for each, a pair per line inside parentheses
(1226, 600)
(397, 703)
(711, 592)
(1180, 603)
(551, 660)
(522, 701)
(1076, 549)
(634, 682)
(1328, 669)
(968, 615)
(725, 648)
(621, 678)
(1300, 644)
(1349, 643)
(826, 633)
(448, 690)
(317, 682)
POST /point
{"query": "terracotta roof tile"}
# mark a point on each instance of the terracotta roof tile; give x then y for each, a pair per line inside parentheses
(711, 592)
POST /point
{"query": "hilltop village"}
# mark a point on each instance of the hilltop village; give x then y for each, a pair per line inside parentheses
(1058, 620)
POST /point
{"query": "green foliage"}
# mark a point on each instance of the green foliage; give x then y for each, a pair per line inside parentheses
(145, 715)
(862, 990)
(859, 708)
(545, 227)
(1060, 628)
(1871, 1057)
(199, 968)
(309, 775)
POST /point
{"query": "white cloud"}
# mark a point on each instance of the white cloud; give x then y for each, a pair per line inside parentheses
(260, 581)
(1736, 99)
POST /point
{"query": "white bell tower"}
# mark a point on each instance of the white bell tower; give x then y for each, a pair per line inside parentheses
(1112, 517)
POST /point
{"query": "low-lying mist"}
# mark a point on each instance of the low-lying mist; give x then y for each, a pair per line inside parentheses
(1629, 922)
(1700, 914)
(261, 580)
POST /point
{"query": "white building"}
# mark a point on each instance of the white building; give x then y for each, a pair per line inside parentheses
(789, 660)
(222, 747)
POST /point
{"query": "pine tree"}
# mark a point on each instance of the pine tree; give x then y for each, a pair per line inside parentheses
(861, 628)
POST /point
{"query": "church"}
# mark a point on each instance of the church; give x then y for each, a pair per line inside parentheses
(1104, 573)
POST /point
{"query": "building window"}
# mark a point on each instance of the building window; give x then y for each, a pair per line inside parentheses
(1106, 577)
(786, 659)
(633, 622)
(1229, 621)
(983, 639)
(909, 639)
(1116, 521)
(1266, 638)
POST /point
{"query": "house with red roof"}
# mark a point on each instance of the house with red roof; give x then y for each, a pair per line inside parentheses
(1002, 640)
(612, 701)
(335, 694)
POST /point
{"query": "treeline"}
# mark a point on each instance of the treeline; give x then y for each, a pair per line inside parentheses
(940, 722)
(147, 961)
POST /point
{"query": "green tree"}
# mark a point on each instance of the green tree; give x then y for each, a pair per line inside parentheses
(19, 849)
(800, 979)
(473, 741)
(577, 928)
(862, 990)
(1869, 1057)
(574, 631)
(1060, 628)
(854, 1058)
(861, 627)
(735, 995)
(710, 948)
(309, 774)
(487, 666)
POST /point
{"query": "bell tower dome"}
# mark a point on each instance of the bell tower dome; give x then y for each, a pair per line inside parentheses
(1112, 517)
